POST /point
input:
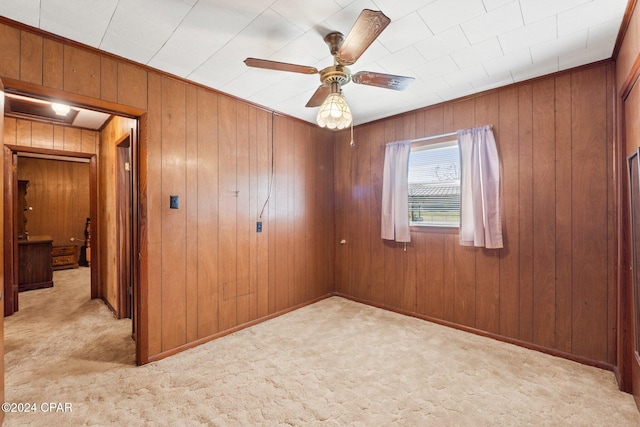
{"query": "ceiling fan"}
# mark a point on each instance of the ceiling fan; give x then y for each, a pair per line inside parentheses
(334, 112)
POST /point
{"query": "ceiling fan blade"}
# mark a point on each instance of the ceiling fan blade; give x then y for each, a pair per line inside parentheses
(319, 96)
(280, 66)
(366, 29)
(388, 81)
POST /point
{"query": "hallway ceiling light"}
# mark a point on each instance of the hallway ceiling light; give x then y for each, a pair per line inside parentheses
(60, 109)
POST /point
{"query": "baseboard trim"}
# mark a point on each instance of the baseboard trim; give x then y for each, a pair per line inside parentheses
(221, 334)
(528, 345)
(113, 310)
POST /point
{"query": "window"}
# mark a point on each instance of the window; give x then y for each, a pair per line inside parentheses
(434, 184)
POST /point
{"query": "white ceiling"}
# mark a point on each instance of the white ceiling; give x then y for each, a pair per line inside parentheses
(453, 48)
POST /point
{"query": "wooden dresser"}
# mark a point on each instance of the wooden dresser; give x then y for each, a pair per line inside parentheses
(34, 257)
(64, 257)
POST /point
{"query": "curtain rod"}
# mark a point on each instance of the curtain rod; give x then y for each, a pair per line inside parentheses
(426, 138)
(444, 135)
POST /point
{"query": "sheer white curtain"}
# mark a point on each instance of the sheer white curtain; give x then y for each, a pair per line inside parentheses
(480, 223)
(395, 193)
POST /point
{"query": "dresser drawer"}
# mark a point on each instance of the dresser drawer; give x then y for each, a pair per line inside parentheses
(63, 250)
(64, 257)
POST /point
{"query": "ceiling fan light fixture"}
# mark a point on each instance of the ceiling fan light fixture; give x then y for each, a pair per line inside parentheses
(60, 109)
(334, 112)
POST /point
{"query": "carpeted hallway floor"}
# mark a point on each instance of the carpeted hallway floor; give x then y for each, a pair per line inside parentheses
(333, 363)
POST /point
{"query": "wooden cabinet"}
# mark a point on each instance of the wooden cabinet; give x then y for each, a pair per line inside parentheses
(34, 257)
(64, 257)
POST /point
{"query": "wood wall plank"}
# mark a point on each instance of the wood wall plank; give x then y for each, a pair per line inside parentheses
(208, 208)
(31, 46)
(244, 231)
(510, 254)
(109, 80)
(564, 241)
(154, 214)
(228, 202)
(525, 211)
(52, 64)
(544, 200)
(589, 185)
(264, 180)
(9, 51)
(81, 72)
(191, 212)
(174, 286)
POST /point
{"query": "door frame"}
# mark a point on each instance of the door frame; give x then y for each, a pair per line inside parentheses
(627, 368)
(10, 215)
(139, 227)
(124, 223)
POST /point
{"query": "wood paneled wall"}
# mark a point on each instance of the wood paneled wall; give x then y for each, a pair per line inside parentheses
(59, 194)
(204, 269)
(238, 165)
(553, 284)
(28, 133)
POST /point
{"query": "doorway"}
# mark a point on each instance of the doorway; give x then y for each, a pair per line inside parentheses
(137, 298)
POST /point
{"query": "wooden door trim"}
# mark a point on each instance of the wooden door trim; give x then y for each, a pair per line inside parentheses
(8, 231)
(10, 194)
(140, 196)
(124, 248)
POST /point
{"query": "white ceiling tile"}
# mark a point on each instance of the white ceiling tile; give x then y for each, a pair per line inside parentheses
(515, 60)
(272, 30)
(603, 35)
(537, 69)
(589, 15)
(395, 9)
(129, 36)
(440, 16)
(466, 75)
(477, 53)
(193, 42)
(429, 87)
(493, 81)
(81, 21)
(524, 37)
(494, 4)
(457, 91)
(442, 44)
(579, 57)
(494, 23)
(437, 67)
(560, 46)
(535, 10)
(305, 15)
(27, 11)
(302, 49)
(403, 60)
(404, 32)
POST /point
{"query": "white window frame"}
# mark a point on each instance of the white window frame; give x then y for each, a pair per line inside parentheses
(450, 141)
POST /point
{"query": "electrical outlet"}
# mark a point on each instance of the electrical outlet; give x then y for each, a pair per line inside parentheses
(174, 202)
(259, 227)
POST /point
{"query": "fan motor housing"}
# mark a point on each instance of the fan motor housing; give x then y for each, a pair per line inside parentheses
(335, 74)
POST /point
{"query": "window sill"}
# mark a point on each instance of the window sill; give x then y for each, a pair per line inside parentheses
(436, 229)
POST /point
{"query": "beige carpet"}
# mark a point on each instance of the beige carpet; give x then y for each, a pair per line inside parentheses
(333, 363)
